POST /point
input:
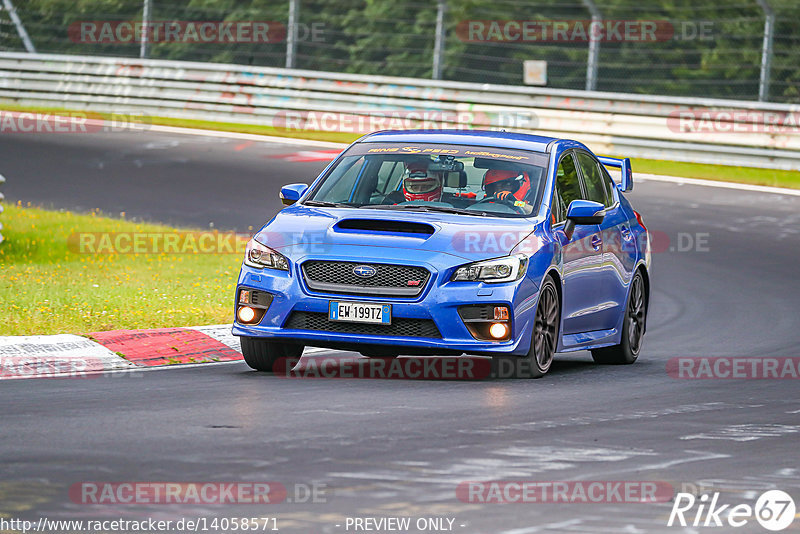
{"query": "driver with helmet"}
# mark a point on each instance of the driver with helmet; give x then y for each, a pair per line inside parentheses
(510, 186)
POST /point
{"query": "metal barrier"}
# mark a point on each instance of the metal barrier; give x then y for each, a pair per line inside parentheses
(681, 129)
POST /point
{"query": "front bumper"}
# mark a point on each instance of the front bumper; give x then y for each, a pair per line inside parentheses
(438, 302)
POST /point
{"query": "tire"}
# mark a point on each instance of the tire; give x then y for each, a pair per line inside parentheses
(633, 328)
(544, 338)
(261, 354)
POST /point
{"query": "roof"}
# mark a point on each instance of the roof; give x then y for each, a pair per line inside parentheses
(534, 143)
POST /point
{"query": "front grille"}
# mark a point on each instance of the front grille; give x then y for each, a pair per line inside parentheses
(389, 280)
(400, 327)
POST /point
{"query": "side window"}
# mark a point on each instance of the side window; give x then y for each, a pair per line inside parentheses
(568, 187)
(339, 188)
(608, 183)
(592, 178)
(388, 176)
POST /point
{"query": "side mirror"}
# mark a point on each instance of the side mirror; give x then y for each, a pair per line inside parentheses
(291, 193)
(583, 212)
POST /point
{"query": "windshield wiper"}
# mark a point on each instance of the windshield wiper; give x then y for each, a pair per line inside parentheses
(420, 207)
(326, 204)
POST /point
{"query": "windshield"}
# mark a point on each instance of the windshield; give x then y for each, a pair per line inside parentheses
(470, 180)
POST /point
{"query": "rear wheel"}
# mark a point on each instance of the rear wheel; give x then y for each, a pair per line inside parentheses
(544, 340)
(633, 327)
(261, 354)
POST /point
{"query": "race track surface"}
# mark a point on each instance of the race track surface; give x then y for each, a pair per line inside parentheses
(397, 447)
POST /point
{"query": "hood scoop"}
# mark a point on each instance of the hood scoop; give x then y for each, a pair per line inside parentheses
(384, 226)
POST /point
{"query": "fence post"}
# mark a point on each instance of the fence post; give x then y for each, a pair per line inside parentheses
(2, 197)
(594, 46)
(12, 13)
(438, 43)
(291, 33)
(766, 51)
(144, 37)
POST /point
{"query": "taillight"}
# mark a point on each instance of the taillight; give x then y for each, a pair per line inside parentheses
(639, 218)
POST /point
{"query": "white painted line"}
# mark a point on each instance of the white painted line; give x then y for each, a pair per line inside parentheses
(713, 183)
(218, 133)
(239, 135)
(56, 356)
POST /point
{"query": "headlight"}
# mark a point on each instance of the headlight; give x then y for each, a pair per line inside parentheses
(505, 269)
(261, 256)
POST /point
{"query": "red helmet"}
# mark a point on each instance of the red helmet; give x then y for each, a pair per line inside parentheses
(518, 184)
(420, 184)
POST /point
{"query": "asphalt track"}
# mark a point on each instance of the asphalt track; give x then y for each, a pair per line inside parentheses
(397, 447)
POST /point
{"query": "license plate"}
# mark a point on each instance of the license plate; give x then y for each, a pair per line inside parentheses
(360, 312)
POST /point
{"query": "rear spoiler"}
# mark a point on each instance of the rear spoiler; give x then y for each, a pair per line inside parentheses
(624, 165)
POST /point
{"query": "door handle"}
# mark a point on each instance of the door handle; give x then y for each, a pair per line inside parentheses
(626, 233)
(596, 242)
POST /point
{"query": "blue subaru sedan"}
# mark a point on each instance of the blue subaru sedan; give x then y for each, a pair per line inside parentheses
(423, 242)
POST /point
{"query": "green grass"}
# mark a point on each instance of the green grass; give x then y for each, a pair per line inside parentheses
(722, 173)
(48, 286)
(725, 173)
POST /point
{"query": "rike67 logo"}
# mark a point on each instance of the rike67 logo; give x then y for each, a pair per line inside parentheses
(774, 510)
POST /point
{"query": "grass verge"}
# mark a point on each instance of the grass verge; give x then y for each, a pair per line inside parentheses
(720, 173)
(48, 286)
(723, 173)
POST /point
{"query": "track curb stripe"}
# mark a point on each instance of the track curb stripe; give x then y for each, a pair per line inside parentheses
(165, 346)
(57, 356)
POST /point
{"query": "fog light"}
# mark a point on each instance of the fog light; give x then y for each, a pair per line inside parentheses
(246, 314)
(498, 330)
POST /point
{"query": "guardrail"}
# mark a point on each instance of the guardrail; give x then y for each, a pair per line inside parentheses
(682, 129)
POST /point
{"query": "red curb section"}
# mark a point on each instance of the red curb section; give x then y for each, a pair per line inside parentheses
(165, 346)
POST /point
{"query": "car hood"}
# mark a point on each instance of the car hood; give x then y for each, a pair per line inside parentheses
(440, 238)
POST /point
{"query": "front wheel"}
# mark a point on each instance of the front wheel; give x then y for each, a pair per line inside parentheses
(544, 339)
(261, 354)
(632, 328)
